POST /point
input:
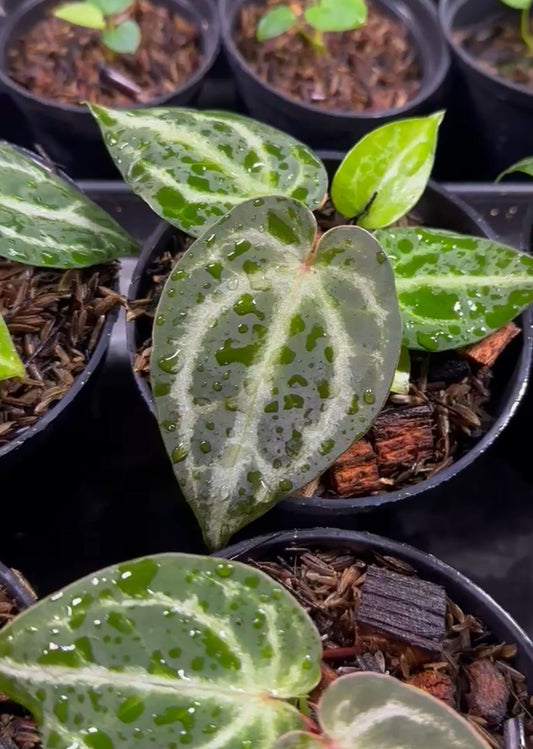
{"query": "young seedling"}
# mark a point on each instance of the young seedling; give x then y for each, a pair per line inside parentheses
(525, 166)
(314, 21)
(121, 36)
(525, 27)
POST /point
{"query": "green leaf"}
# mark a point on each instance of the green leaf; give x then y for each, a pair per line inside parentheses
(46, 222)
(165, 651)
(81, 14)
(272, 354)
(400, 384)
(112, 7)
(124, 38)
(524, 165)
(384, 175)
(193, 167)
(302, 740)
(454, 290)
(337, 15)
(373, 710)
(10, 362)
(275, 22)
(518, 4)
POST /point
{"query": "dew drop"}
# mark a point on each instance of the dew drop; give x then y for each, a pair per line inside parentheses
(179, 453)
(369, 397)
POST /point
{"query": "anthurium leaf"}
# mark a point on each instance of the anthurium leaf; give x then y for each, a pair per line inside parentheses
(373, 710)
(81, 14)
(400, 384)
(46, 222)
(123, 38)
(192, 167)
(275, 22)
(336, 15)
(453, 289)
(302, 740)
(111, 7)
(272, 354)
(384, 175)
(165, 651)
(524, 165)
(10, 363)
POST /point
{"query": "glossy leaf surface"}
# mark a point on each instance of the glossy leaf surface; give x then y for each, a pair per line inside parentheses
(192, 167)
(166, 651)
(46, 222)
(272, 354)
(10, 363)
(384, 175)
(453, 289)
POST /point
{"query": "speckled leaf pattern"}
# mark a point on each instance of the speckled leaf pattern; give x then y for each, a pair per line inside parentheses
(453, 289)
(384, 175)
(167, 651)
(192, 167)
(373, 710)
(10, 363)
(46, 222)
(302, 740)
(269, 358)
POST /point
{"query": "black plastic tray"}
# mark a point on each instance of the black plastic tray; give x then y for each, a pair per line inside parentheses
(106, 492)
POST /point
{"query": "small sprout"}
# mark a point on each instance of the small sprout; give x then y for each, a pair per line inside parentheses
(324, 16)
(524, 165)
(525, 28)
(10, 363)
(122, 37)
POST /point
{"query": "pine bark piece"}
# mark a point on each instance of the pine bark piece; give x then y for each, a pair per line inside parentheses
(485, 353)
(402, 437)
(327, 676)
(355, 473)
(489, 692)
(407, 612)
(435, 683)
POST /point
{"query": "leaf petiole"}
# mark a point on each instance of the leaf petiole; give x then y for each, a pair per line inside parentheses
(525, 29)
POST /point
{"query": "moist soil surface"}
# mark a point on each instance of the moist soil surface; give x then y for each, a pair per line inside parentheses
(499, 49)
(55, 318)
(69, 64)
(472, 672)
(369, 69)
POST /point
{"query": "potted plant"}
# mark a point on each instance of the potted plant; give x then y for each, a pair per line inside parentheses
(116, 52)
(58, 296)
(178, 649)
(491, 43)
(370, 198)
(372, 63)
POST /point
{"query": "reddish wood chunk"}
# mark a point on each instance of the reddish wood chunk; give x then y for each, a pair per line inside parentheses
(485, 353)
(437, 684)
(489, 691)
(356, 471)
(402, 437)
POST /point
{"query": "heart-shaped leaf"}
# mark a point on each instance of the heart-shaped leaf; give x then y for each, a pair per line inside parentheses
(275, 22)
(385, 174)
(81, 14)
(373, 710)
(336, 15)
(111, 7)
(46, 222)
(524, 165)
(166, 651)
(10, 363)
(124, 38)
(272, 353)
(193, 167)
(453, 289)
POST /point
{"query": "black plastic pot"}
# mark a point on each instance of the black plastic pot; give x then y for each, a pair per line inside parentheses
(459, 588)
(496, 114)
(16, 587)
(16, 454)
(511, 374)
(321, 128)
(68, 133)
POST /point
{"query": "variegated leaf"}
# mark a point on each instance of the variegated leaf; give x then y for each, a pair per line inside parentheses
(192, 167)
(302, 740)
(10, 363)
(273, 352)
(46, 222)
(454, 289)
(166, 651)
(373, 710)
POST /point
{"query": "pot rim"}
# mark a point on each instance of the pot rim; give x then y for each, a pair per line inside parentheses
(427, 89)
(447, 16)
(6, 29)
(94, 359)
(17, 587)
